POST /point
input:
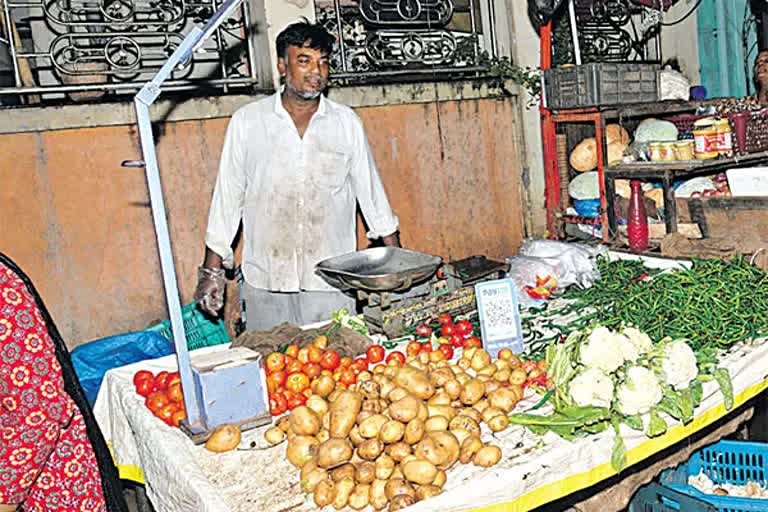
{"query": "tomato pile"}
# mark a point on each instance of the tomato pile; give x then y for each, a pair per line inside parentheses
(293, 376)
(459, 334)
(162, 394)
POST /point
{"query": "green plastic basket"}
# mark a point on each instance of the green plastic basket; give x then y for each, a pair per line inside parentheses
(201, 332)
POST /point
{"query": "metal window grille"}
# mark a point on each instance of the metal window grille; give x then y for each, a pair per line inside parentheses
(408, 39)
(87, 47)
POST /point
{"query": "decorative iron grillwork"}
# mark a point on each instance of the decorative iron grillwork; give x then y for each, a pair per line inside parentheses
(118, 45)
(379, 38)
(609, 31)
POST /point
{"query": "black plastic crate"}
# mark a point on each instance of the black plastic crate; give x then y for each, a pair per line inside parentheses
(605, 83)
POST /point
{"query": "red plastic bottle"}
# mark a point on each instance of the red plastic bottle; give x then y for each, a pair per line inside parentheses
(637, 220)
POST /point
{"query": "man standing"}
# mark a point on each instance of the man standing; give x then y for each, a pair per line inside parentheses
(293, 168)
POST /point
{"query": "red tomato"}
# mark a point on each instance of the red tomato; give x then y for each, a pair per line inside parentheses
(312, 370)
(156, 401)
(413, 348)
(361, 363)
(287, 394)
(145, 386)
(330, 360)
(174, 393)
(161, 381)
(303, 355)
(294, 367)
(143, 375)
(321, 342)
(296, 401)
(277, 405)
(473, 341)
(177, 417)
(165, 413)
(445, 318)
(297, 382)
(395, 358)
(375, 354)
(447, 350)
(314, 354)
(173, 378)
(447, 330)
(457, 341)
(348, 377)
(275, 381)
(423, 331)
(426, 346)
(464, 328)
(275, 361)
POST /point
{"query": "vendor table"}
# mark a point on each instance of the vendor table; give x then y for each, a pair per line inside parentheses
(180, 476)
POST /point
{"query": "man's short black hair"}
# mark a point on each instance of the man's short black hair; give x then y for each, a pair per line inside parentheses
(304, 33)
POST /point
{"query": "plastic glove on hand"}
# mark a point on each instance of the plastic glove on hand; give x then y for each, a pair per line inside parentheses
(210, 290)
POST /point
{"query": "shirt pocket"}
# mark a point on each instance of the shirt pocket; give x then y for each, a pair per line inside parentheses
(330, 169)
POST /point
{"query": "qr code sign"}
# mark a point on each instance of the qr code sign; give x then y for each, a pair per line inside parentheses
(499, 311)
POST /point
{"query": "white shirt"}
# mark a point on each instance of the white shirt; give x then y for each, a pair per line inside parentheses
(296, 196)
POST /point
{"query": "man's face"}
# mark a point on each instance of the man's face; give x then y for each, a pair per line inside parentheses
(305, 71)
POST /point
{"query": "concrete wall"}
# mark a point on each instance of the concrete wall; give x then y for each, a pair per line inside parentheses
(681, 40)
(79, 224)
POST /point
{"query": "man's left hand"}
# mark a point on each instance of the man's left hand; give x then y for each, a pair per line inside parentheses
(392, 240)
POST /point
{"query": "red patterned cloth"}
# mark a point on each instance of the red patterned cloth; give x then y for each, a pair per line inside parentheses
(46, 460)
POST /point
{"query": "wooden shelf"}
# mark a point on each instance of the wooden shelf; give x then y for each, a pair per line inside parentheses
(640, 109)
(656, 169)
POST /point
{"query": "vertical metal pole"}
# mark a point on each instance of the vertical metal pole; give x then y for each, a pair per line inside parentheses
(166, 262)
(340, 28)
(492, 28)
(473, 28)
(249, 41)
(574, 31)
(11, 44)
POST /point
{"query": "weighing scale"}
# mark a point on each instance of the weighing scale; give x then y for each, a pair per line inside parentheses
(401, 289)
(229, 387)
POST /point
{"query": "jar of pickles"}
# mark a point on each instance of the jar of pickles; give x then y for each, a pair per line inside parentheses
(705, 139)
(724, 137)
(684, 149)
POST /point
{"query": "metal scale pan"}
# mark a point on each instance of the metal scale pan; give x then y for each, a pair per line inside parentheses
(380, 269)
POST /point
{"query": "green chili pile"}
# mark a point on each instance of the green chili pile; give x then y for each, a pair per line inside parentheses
(713, 304)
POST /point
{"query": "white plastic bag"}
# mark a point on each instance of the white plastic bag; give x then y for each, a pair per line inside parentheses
(527, 272)
(576, 262)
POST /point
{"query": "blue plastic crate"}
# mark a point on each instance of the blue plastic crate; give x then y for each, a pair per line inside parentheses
(657, 498)
(200, 330)
(733, 462)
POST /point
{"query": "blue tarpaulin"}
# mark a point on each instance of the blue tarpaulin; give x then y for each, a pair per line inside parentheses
(92, 360)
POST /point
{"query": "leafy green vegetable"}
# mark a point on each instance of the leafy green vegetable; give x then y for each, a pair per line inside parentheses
(656, 425)
(619, 452)
(723, 379)
(634, 422)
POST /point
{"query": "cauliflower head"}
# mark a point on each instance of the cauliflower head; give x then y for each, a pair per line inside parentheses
(628, 350)
(678, 366)
(592, 387)
(639, 339)
(639, 392)
(601, 351)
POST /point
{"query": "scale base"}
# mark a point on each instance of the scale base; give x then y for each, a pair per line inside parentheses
(199, 436)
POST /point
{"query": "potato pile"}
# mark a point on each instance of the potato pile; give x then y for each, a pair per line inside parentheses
(389, 439)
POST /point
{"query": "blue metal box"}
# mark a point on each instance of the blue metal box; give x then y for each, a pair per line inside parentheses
(231, 388)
